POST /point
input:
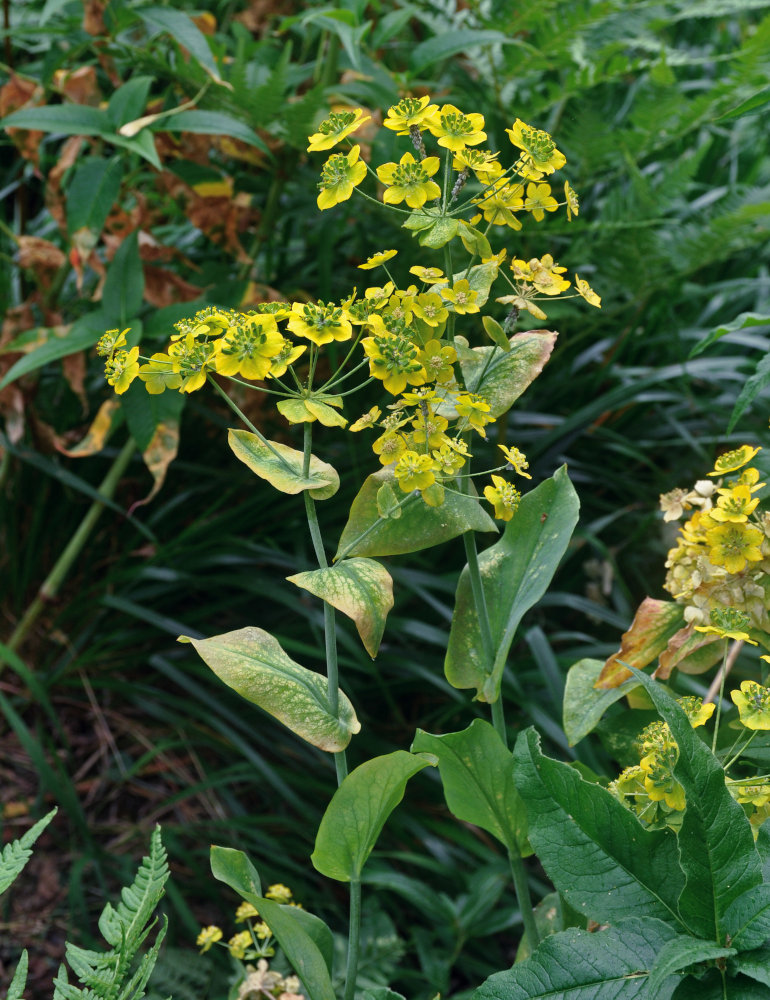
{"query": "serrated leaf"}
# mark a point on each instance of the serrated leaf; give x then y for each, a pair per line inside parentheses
(680, 952)
(15, 855)
(450, 43)
(92, 192)
(747, 918)
(19, 981)
(477, 774)
(213, 123)
(501, 377)
(362, 589)
(419, 527)
(717, 851)
(594, 850)
(252, 663)
(83, 334)
(282, 466)
(358, 810)
(515, 573)
(576, 964)
(584, 705)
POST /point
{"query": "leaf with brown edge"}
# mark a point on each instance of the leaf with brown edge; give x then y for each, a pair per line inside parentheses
(689, 651)
(362, 589)
(655, 622)
(500, 377)
(104, 423)
(158, 455)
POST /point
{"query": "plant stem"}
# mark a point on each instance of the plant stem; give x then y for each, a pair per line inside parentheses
(50, 586)
(236, 409)
(521, 888)
(330, 624)
(353, 939)
(722, 674)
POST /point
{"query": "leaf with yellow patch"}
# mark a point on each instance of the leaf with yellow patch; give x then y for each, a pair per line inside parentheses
(654, 624)
(104, 423)
(281, 466)
(500, 377)
(252, 663)
(689, 651)
(158, 455)
(362, 589)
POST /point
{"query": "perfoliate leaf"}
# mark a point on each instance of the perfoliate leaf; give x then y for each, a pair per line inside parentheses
(282, 466)
(515, 573)
(251, 662)
(418, 527)
(501, 377)
(578, 965)
(438, 234)
(595, 851)
(584, 705)
(362, 589)
(358, 811)
(477, 774)
(474, 241)
(717, 851)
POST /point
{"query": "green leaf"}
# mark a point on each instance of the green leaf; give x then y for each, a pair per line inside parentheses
(748, 107)
(594, 850)
(678, 953)
(304, 938)
(477, 774)
(362, 589)
(282, 466)
(717, 851)
(251, 662)
(92, 192)
(422, 218)
(143, 144)
(584, 705)
(575, 964)
(450, 43)
(515, 573)
(501, 377)
(752, 387)
(145, 413)
(763, 849)
(743, 321)
(17, 853)
(476, 243)
(129, 101)
(19, 981)
(754, 963)
(124, 285)
(358, 810)
(747, 918)
(419, 526)
(81, 335)
(438, 234)
(184, 31)
(212, 123)
(496, 333)
(480, 279)
(712, 986)
(66, 119)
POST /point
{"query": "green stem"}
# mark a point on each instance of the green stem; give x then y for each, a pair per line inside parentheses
(330, 624)
(236, 409)
(359, 538)
(521, 888)
(55, 578)
(351, 972)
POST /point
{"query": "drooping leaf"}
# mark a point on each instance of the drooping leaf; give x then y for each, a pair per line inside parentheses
(717, 851)
(751, 106)
(282, 466)
(515, 573)
(109, 417)
(358, 810)
(474, 241)
(584, 705)
(418, 527)
(251, 662)
(83, 334)
(477, 774)
(595, 851)
(742, 322)
(577, 965)
(92, 192)
(655, 622)
(124, 285)
(689, 651)
(305, 939)
(362, 589)
(66, 119)
(500, 377)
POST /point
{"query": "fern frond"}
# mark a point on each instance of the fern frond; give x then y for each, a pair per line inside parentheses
(126, 922)
(19, 980)
(135, 988)
(185, 975)
(15, 855)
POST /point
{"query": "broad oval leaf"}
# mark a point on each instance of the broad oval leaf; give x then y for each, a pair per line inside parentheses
(477, 774)
(747, 919)
(367, 533)
(500, 377)
(515, 573)
(584, 705)
(358, 811)
(281, 465)
(251, 662)
(362, 589)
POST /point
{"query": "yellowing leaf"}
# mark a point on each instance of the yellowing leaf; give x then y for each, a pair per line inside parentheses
(655, 622)
(105, 421)
(281, 466)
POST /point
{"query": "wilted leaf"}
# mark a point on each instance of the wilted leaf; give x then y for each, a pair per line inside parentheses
(689, 651)
(104, 423)
(655, 622)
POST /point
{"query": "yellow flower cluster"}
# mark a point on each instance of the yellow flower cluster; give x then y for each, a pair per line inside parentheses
(256, 940)
(722, 555)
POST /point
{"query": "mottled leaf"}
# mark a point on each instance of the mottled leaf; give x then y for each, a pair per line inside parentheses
(109, 416)
(282, 466)
(584, 705)
(500, 377)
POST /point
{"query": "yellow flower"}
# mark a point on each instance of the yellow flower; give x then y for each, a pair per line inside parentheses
(279, 892)
(429, 428)
(462, 297)
(455, 130)
(428, 274)
(410, 112)
(480, 161)
(584, 289)
(159, 374)
(336, 127)
(320, 322)
(339, 175)
(249, 349)
(543, 273)
(728, 623)
(516, 459)
(376, 259)
(504, 497)
(367, 420)
(734, 505)
(239, 944)
(475, 409)
(659, 778)
(414, 472)
(497, 206)
(262, 931)
(430, 307)
(437, 360)
(732, 460)
(121, 369)
(449, 459)
(285, 357)
(207, 937)
(753, 702)
(538, 201)
(755, 795)
(245, 912)
(389, 447)
(110, 342)
(697, 713)
(409, 180)
(393, 359)
(538, 148)
(193, 359)
(733, 545)
(573, 206)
